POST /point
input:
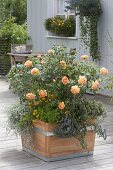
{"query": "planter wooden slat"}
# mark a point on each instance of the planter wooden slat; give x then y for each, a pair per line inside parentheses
(50, 147)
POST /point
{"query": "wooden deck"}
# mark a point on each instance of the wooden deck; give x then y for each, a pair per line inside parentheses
(13, 158)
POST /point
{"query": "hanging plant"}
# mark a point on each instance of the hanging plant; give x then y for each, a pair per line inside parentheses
(89, 11)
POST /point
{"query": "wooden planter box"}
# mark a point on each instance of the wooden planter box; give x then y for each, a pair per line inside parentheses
(45, 145)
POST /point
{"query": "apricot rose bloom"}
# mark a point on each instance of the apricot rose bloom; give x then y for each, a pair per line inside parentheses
(103, 71)
(61, 105)
(28, 63)
(63, 64)
(82, 80)
(65, 80)
(84, 57)
(95, 85)
(42, 93)
(75, 89)
(30, 96)
(35, 71)
(51, 51)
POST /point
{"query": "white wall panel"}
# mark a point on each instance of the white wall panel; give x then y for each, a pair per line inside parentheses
(38, 12)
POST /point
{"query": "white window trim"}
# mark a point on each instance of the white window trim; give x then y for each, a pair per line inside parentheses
(59, 37)
(51, 12)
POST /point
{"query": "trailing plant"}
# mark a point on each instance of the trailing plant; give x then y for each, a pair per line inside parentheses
(84, 115)
(60, 26)
(20, 119)
(52, 89)
(89, 11)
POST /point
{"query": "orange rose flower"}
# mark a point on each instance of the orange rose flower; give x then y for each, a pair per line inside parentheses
(103, 71)
(61, 105)
(84, 57)
(95, 85)
(30, 96)
(82, 80)
(28, 63)
(51, 51)
(42, 93)
(63, 64)
(35, 71)
(75, 89)
(65, 80)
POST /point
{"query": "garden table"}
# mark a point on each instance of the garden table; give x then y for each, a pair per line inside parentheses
(21, 57)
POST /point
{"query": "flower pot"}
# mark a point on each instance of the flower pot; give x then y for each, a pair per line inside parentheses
(47, 146)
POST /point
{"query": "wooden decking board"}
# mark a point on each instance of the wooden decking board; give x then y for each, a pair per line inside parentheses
(74, 164)
(106, 146)
(109, 141)
(10, 145)
(108, 127)
(18, 162)
(4, 133)
(86, 165)
(73, 161)
(104, 167)
(108, 118)
(8, 138)
(13, 158)
(107, 123)
(13, 155)
(46, 166)
(22, 164)
(11, 152)
(103, 143)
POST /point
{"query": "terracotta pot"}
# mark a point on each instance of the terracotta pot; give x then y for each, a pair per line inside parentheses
(47, 146)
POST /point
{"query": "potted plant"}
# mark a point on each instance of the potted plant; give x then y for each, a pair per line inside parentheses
(55, 118)
(61, 26)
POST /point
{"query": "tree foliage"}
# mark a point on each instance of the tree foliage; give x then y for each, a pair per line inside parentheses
(13, 8)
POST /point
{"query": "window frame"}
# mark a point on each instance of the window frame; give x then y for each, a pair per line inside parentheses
(52, 10)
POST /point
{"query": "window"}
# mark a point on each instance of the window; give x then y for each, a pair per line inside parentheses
(57, 8)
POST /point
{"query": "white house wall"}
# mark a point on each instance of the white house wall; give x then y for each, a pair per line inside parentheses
(37, 13)
(106, 29)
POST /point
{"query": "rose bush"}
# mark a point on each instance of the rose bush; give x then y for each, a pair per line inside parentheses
(53, 89)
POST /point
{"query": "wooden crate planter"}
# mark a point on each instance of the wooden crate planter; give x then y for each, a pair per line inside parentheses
(47, 146)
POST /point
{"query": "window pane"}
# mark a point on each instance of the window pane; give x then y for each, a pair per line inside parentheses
(60, 6)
